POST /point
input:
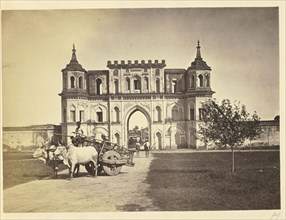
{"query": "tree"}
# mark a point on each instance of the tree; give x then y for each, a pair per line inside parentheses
(227, 125)
(253, 130)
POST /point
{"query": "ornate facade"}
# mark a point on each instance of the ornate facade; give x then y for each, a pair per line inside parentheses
(104, 100)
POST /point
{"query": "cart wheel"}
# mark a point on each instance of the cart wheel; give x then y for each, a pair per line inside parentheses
(109, 169)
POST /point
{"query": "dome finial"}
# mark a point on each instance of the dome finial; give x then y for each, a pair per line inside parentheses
(74, 65)
(199, 63)
(73, 59)
(198, 51)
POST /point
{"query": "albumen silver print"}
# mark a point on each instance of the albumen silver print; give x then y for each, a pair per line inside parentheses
(136, 112)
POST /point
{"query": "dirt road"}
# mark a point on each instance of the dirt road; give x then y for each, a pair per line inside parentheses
(125, 192)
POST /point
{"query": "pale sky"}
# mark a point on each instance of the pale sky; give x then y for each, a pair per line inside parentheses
(139, 119)
(241, 45)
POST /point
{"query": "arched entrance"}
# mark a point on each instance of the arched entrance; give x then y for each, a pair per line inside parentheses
(177, 137)
(159, 140)
(137, 125)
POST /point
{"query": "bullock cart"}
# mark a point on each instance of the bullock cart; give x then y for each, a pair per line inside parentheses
(111, 156)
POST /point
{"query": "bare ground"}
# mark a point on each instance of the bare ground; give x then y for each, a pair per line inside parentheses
(124, 192)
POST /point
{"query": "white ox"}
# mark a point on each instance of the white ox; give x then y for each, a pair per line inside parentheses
(78, 155)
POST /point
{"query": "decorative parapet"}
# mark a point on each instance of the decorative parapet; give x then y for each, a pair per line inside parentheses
(136, 64)
(98, 72)
(175, 71)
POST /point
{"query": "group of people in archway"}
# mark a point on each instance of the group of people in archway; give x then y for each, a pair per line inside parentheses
(134, 143)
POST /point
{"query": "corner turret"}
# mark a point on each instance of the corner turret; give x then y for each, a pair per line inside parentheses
(74, 64)
(198, 75)
(74, 77)
(199, 64)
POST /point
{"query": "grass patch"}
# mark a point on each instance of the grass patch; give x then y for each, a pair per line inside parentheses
(203, 181)
(18, 169)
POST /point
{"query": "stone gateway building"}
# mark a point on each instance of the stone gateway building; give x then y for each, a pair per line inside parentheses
(104, 100)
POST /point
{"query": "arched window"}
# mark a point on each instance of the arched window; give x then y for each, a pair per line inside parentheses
(159, 140)
(146, 83)
(137, 83)
(117, 138)
(72, 114)
(192, 81)
(81, 114)
(98, 86)
(157, 72)
(158, 113)
(72, 82)
(158, 85)
(192, 114)
(128, 83)
(175, 113)
(201, 80)
(99, 115)
(115, 72)
(174, 86)
(178, 139)
(208, 80)
(80, 83)
(116, 88)
(116, 114)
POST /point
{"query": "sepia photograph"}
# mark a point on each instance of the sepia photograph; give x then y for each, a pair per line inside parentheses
(150, 111)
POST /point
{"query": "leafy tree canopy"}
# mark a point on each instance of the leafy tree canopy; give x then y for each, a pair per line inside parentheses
(227, 124)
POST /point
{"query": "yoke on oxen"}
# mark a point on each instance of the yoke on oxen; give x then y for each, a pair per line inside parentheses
(46, 154)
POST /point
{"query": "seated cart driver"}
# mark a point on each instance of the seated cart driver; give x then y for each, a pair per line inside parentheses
(79, 136)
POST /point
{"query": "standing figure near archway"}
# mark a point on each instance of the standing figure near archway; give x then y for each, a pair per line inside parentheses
(137, 145)
(132, 149)
(146, 148)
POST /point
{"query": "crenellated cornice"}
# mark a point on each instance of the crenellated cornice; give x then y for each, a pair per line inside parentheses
(129, 65)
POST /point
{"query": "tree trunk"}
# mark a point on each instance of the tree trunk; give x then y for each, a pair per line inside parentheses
(232, 150)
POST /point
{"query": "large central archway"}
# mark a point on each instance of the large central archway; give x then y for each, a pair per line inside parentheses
(137, 119)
